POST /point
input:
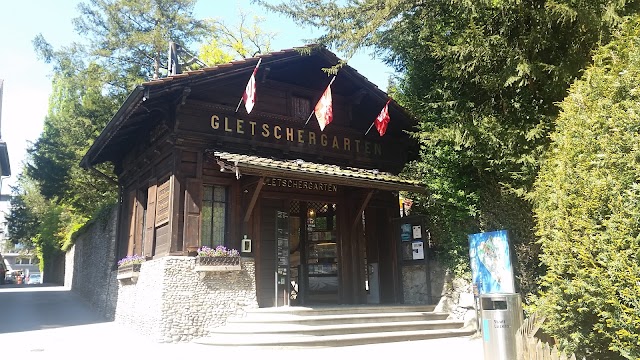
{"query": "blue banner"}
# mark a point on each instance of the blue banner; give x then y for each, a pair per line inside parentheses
(491, 268)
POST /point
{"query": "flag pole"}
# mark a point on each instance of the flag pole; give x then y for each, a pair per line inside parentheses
(312, 111)
(369, 129)
(374, 121)
(252, 74)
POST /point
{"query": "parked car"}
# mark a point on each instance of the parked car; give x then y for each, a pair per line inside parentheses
(34, 279)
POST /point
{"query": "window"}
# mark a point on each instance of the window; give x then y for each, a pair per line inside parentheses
(214, 215)
(301, 108)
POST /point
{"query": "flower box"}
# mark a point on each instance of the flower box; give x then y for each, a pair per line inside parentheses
(223, 263)
(129, 272)
(218, 259)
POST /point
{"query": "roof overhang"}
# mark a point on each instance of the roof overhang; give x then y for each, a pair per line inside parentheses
(309, 171)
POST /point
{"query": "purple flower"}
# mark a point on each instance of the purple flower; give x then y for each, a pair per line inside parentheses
(131, 259)
(219, 251)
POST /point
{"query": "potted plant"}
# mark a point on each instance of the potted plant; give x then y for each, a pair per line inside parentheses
(217, 259)
(129, 267)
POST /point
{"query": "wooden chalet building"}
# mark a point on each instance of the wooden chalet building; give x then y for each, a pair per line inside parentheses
(312, 208)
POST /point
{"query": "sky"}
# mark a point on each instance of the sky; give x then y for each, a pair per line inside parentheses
(27, 80)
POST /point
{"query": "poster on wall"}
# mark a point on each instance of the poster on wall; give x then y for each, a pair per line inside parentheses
(405, 232)
(491, 267)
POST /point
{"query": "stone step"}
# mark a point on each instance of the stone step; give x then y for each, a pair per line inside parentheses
(300, 340)
(335, 326)
(342, 309)
(334, 329)
(362, 318)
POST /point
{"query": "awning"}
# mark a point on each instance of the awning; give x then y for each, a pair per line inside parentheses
(305, 170)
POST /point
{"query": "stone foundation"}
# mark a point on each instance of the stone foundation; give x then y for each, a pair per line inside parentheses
(451, 294)
(171, 302)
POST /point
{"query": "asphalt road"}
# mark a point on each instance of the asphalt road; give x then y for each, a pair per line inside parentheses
(51, 322)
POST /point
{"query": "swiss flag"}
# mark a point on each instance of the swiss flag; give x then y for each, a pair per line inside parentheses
(249, 96)
(383, 119)
(324, 109)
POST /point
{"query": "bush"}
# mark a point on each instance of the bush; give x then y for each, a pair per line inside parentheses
(587, 204)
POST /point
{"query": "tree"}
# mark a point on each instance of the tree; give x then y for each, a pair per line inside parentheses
(133, 36)
(78, 111)
(22, 221)
(588, 208)
(243, 40)
(126, 44)
(483, 78)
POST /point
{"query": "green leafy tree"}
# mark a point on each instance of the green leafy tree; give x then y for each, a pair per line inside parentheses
(131, 37)
(22, 221)
(242, 40)
(125, 43)
(483, 79)
(588, 208)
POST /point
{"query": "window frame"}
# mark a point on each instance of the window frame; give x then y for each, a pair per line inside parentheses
(225, 231)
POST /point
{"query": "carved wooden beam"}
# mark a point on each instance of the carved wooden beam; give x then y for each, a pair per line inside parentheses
(365, 202)
(254, 199)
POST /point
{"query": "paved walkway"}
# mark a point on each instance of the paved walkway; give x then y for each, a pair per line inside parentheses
(43, 322)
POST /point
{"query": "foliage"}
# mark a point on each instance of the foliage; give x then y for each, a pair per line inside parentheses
(131, 260)
(246, 39)
(125, 44)
(219, 251)
(78, 111)
(22, 221)
(483, 78)
(588, 209)
(132, 37)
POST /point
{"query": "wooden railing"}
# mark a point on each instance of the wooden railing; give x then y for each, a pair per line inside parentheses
(531, 348)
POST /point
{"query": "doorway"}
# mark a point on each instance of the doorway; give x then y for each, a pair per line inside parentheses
(313, 258)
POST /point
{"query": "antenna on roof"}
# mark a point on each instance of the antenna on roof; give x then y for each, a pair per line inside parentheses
(174, 67)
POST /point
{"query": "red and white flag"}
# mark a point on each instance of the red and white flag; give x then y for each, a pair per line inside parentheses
(249, 95)
(324, 108)
(383, 119)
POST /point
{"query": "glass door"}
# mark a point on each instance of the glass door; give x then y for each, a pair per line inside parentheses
(321, 253)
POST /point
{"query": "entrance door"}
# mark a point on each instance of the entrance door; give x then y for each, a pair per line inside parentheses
(298, 253)
(321, 253)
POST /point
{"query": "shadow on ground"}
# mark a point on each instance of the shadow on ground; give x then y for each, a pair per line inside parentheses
(38, 307)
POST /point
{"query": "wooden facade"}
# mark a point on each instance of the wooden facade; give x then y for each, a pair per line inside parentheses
(194, 172)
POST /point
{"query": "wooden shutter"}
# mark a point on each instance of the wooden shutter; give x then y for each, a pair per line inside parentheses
(150, 221)
(131, 203)
(137, 248)
(192, 210)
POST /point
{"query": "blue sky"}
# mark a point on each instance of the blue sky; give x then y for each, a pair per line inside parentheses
(27, 82)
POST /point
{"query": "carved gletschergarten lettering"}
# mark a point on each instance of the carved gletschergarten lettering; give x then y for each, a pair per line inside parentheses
(257, 130)
(300, 184)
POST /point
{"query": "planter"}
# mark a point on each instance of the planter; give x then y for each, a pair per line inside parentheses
(214, 264)
(129, 272)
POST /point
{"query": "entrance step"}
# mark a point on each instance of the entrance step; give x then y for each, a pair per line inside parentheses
(335, 326)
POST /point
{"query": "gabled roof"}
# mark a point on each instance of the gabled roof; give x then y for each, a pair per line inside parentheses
(119, 133)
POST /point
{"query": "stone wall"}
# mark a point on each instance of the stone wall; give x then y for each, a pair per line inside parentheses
(89, 264)
(449, 293)
(414, 283)
(54, 269)
(170, 302)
